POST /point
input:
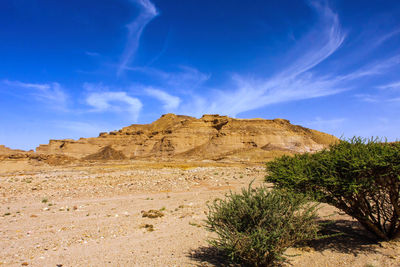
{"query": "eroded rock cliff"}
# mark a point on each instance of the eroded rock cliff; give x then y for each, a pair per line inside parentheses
(6, 151)
(210, 137)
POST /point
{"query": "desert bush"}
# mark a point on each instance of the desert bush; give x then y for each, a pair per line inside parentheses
(256, 226)
(359, 176)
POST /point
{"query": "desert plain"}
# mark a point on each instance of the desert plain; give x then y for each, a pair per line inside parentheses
(95, 215)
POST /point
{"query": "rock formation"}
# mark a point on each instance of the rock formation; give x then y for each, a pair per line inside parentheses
(7, 151)
(210, 137)
(106, 153)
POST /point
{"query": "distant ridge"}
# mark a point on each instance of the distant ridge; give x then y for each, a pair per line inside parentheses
(5, 150)
(212, 137)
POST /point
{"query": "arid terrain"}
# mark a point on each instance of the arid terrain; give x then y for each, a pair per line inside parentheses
(93, 202)
(94, 216)
(211, 137)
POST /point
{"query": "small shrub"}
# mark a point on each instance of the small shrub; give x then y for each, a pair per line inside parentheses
(256, 226)
(360, 177)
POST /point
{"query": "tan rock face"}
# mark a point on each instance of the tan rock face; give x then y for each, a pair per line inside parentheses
(210, 137)
(7, 151)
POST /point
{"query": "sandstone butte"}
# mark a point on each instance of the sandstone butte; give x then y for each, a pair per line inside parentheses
(212, 137)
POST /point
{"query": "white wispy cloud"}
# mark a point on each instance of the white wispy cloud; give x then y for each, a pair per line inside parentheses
(295, 82)
(386, 37)
(80, 128)
(135, 29)
(395, 99)
(376, 68)
(368, 98)
(325, 125)
(185, 79)
(188, 77)
(170, 102)
(326, 122)
(92, 54)
(112, 101)
(50, 93)
(38, 86)
(378, 98)
(326, 37)
(394, 85)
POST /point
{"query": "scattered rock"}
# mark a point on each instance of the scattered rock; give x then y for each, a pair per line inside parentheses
(149, 227)
(152, 214)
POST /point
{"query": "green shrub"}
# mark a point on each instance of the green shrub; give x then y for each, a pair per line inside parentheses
(360, 177)
(258, 225)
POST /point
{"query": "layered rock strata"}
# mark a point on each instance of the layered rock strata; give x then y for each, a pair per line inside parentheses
(210, 137)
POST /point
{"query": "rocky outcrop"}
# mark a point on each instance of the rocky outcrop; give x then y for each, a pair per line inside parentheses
(7, 151)
(106, 153)
(210, 137)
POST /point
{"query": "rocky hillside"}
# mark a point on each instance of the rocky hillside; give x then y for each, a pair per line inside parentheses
(6, 151)
(211, 137)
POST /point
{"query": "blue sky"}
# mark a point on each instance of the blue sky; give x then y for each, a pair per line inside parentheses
(71, 69)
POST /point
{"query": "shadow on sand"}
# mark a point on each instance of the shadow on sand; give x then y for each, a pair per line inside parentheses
(210, 256)
(344, 236)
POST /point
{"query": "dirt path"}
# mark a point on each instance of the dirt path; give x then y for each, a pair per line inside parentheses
(93, 216)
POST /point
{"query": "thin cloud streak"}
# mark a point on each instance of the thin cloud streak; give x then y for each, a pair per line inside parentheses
(296, 82)
(92, 54)
(378, 98)
(38, 86)
(387, 36)
(326, 37)
(392, 86)
(79, 127)
(51, 94)
(184, 80)
(375, 68)
(326, 125)
(135, 29)
(368, 98)
(170, 102)
(320, 122)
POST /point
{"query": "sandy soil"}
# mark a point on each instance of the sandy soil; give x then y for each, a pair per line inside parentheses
(93, 216)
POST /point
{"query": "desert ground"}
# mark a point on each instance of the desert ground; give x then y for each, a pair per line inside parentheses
(100, 214)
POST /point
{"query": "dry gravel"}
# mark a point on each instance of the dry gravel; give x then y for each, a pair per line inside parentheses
(93, 216)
